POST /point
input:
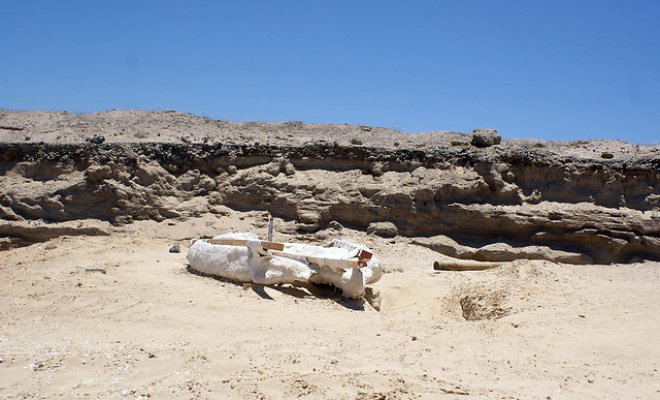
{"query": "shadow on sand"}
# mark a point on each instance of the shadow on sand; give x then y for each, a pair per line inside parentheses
(299, 291)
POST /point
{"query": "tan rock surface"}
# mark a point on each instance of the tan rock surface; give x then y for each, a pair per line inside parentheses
(603, 211)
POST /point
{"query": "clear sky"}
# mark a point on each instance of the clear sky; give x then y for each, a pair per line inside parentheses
(556, 69)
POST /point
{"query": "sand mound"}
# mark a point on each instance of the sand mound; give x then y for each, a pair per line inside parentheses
(480, 302)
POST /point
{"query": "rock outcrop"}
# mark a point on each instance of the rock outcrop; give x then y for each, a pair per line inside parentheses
(538, 203)
(16, 233)
(499, 251)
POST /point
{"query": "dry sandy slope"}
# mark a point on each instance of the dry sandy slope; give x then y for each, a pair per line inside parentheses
(134, 126)
(150, 328)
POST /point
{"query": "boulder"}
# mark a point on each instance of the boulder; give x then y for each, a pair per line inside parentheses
(485, 137)
(97, 139)
(382, 229)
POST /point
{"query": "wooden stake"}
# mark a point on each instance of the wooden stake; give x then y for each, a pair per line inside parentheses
(464, 265)
(332, 263)
(229, 242)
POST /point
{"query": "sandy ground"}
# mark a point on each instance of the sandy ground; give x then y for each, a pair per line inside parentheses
(149, 328)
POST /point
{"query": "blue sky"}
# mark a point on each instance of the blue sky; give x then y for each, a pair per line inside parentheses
(557, 69)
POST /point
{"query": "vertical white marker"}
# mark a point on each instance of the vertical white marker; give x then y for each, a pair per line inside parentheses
(270, 228)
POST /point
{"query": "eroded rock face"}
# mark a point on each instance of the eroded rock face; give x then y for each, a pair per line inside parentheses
(499, 251)
(536, 203)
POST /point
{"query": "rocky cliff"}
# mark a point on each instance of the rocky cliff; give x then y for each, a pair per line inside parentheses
(495, 203)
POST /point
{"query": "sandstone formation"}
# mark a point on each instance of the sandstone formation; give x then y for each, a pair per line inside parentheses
(577, 208)
(499, 251)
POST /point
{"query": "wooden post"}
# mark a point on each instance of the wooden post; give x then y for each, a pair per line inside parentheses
(229, 242)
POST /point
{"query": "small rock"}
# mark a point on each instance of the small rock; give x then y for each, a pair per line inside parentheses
(273, 169)
(485, 137)
(99, 270)
(460, 143)
(288, 168)
(382, 229)
(356, 142)
(97, 139)
(5, 244)
(231, 170)
(321, 236)
(175, 249)
(308, 227)
(282, 165)
(38, 366)
(97, 173)
(335, 225)
(413, 338)
(607, 155)
(377, 169)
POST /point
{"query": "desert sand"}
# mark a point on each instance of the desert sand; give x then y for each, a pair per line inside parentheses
(147, 327)
(93, 304)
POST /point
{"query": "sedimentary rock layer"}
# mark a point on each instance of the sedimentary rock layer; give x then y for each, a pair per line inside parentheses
(604, 210)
